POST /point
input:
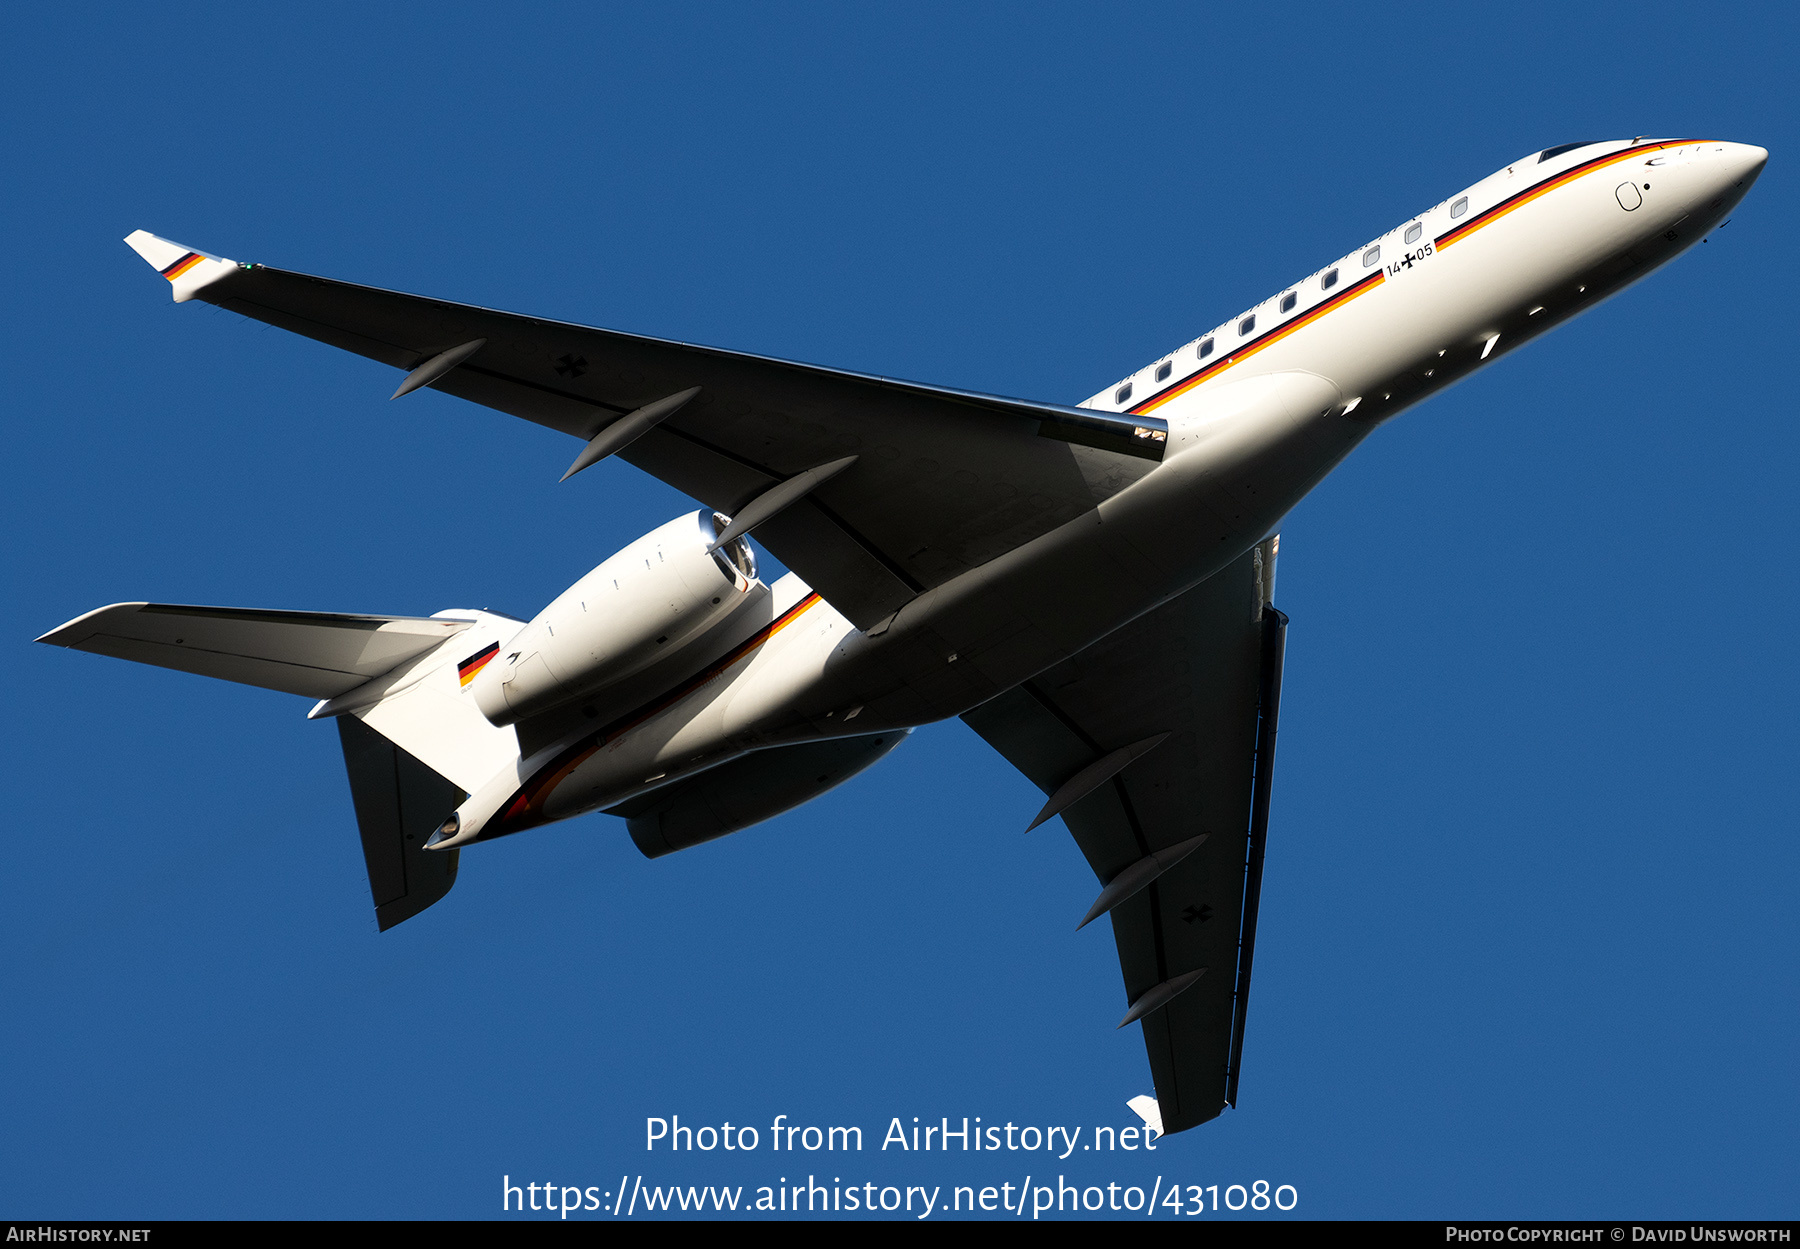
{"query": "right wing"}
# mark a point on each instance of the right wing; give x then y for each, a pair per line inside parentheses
(944, 480)
(1204, 669)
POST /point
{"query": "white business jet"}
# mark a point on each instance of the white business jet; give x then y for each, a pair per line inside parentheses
(1090, 588)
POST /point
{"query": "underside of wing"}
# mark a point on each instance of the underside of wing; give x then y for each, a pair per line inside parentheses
(943, 481)
(1161, 739)
(318, 654)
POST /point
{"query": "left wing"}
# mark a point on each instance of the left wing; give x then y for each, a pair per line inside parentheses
(943, 480)
(1163, 733)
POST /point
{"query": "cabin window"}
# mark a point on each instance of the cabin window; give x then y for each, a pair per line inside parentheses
(1413, 231)
(1288, 300)
(1328, 281)
(1206, 349)
(1372, 255)
(1122, 393)
(1163, 370)
(1247, 324)
(1459, 208)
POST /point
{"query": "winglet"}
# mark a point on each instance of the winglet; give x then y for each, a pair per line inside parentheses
(187, 270)
(1146, 1108)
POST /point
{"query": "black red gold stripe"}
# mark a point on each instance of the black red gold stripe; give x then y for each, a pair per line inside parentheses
(467, 669)
(182, 266)
(1491, 215)
(1179, 388)
(1267, 339)
(525, 809)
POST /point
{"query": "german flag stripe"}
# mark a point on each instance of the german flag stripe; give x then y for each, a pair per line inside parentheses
(1530, 193)
(467, 669)
(1270, 338)
(182, 266)
(526, 808)
(1177, 389)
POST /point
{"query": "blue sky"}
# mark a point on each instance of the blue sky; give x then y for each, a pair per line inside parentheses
(1528, 942)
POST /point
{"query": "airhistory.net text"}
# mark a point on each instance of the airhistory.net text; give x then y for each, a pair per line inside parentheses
(969, 1136)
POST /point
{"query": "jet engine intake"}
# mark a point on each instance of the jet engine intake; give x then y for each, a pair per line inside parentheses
(647, 602)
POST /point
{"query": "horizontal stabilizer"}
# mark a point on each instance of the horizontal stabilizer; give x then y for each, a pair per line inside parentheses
(187, 270)
(318, 654)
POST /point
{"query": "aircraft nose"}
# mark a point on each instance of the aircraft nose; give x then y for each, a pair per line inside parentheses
(1740, 163)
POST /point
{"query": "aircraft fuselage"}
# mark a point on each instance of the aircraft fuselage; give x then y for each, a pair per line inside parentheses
(1248, 418)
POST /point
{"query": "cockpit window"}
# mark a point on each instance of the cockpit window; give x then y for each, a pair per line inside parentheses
(1549, 152)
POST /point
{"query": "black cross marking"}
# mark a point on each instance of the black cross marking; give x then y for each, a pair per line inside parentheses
(572, 366)
(1201, 913)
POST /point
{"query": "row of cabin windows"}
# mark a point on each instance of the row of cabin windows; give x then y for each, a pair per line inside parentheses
(1248, 324)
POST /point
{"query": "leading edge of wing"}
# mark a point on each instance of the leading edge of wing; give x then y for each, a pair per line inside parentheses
(223, 276)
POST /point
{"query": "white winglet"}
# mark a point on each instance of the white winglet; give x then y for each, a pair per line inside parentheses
(1147, 1110)
(187, 270)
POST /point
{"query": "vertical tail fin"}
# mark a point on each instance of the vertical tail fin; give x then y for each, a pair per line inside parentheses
(415, 746)
(398, 802)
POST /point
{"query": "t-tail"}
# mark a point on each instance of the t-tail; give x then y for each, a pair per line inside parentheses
(415, 744)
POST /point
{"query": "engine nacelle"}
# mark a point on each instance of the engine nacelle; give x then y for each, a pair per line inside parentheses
(655, 596)
(747, 791)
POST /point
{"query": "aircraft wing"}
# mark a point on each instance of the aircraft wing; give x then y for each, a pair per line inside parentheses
(944, 480)
(1205, 669)
(318, 654)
